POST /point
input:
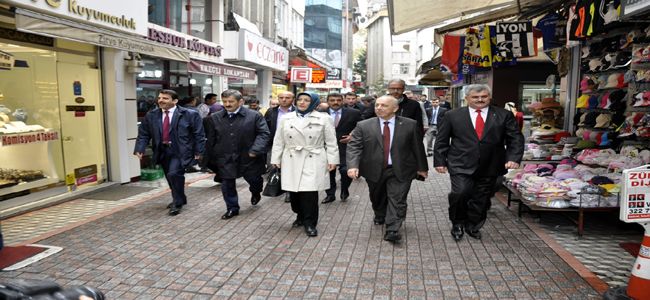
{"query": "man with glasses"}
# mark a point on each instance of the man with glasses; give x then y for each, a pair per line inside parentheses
(407, 108)
(475, 144)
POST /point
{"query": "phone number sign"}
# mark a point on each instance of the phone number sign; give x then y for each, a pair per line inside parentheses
(635, 195)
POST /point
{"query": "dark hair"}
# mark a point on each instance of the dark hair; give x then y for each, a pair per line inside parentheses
(185, 101)
(351, 94)
(252, 99)
(335, 95)
(231, 93)
(209, 96)
(171, 93)
(368, 99)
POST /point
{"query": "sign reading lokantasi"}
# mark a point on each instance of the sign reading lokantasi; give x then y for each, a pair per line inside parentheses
(635, 195)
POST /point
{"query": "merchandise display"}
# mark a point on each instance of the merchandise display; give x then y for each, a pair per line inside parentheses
(20, 175)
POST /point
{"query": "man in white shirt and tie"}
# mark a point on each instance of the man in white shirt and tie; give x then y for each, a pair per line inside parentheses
(437, 113)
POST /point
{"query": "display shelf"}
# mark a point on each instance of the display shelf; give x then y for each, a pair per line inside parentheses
(28, 185)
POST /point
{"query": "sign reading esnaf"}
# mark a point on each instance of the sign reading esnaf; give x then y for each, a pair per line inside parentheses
(635, 195)
(123, 15)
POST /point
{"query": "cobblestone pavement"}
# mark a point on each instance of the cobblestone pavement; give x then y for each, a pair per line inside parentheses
(141, 253)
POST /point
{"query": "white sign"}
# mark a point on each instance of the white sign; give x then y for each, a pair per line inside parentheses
(199, 48)
(635, 195)
(123, 15)
(301, 75)
(256, 50)
(329, 84)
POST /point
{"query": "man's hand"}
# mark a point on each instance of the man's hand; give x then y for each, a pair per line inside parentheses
(423, 174)
(277, 166)
(139, 155)
(345, 139)
(353, 173)
(512, 165)
(441, 170)
(252, 154)
(331, 167)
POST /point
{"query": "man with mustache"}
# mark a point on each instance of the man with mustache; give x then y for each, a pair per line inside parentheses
(475, 144)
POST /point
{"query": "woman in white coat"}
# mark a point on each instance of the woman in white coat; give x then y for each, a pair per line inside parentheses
(305, 149)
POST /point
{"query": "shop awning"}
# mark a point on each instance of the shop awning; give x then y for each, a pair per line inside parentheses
(432, 12)
(33, 22)
(298, 58)
(220, 69)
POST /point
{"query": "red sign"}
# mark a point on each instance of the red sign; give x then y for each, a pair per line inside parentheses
(79, 113)
(28, 138)
(301, 75)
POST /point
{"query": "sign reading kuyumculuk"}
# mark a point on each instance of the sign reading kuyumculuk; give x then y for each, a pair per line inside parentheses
(122, 15)
(635, 195)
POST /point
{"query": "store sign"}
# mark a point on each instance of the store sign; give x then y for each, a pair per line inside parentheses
(334, 74)
(121, 15)
(220, 70)
(300, 75)
(28, 138)
(256, 49)
(318, 75)
(630, 8)
(329, 84)
(635, 195)
(6, 61)
(85, 174)
(25, 37)
(200, 49)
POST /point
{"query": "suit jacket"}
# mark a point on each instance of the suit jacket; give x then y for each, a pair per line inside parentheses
(349, 119)
(229, 143)
(458, 148)
(271, 117)
(186, 134)
(441, 114)
(407, 108)
(366, 150)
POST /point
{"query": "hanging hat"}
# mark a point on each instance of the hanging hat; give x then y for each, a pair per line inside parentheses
(587, 85)
(582, 101)
(622, 59)
(590, 119)
(642, 99)
(603, 121)
(629, 76)
(595, 64)
(549, 103)
(612, 81)
(593, 101)
(585, 52)
(604, 101)
(604, 141)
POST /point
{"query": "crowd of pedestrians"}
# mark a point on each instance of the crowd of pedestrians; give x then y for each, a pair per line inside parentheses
(386, 140)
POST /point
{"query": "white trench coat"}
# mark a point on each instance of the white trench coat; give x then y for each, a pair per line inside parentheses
(304, 147)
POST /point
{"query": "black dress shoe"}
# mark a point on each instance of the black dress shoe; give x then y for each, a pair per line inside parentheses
(229, 214)
(328, 199)
(475, 234)
(392, 236)
(170, 205)
(174, 210)
(287, 199)
(311, 231)
(457, 232)
(255, 198)
(344, 196)
(379, 221)
(297, 223)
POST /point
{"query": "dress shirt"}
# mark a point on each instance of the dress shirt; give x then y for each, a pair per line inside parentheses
(234, 113)
(391, 126)
(171, 116)
(281, 113)
(473, 114)
(333, 115)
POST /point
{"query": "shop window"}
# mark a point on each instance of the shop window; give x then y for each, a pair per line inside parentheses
(187, 16)
(533, 93)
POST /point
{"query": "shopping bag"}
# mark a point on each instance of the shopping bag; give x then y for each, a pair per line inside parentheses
(273, 186)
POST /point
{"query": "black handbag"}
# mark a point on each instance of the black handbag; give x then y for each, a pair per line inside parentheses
(273, 186)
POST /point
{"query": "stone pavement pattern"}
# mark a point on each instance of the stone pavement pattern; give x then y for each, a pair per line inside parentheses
(141, 253)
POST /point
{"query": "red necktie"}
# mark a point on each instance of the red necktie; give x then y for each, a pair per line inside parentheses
(386, 143)
(165, 129)
(480, 123)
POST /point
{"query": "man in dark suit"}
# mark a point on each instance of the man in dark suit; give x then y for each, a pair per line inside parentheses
(388, 152)
(177, 141)
(475, 144)
(352, 101)
(407, 108)
(437, 113)
(237, 141)
(345, 119)
(273, 116)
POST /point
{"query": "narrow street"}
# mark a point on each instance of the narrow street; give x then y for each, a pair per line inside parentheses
(142, 253)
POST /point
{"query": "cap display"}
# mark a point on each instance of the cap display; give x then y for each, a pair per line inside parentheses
(603, 121)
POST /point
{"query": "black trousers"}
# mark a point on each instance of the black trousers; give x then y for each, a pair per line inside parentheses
(469, 199)
(388, 198)
(305, 204)
(175, 175)
(345, 180)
